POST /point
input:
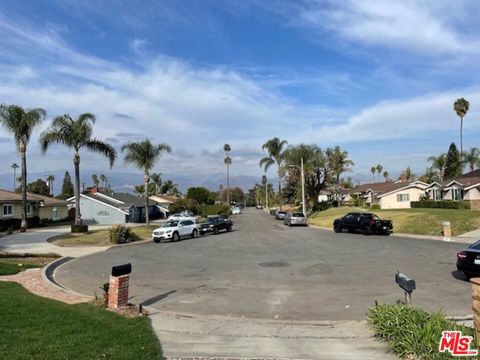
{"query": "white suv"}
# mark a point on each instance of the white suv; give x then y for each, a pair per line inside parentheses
(175, 230)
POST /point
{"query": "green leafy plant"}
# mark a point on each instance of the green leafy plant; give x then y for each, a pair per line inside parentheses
(411, 332)
(445, 204)
(120, 234)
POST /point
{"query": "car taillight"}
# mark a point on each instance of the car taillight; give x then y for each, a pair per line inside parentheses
(462, 255)
(373, 222)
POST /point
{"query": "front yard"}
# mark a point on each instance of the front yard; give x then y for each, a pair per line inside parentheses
(11, 264)
(410, 221)
(33, 327)
(100, 237)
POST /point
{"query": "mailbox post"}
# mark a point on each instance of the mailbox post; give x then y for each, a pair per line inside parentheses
(118, 286)
(407, 284)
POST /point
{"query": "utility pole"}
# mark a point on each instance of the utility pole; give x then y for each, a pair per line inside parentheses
(14, 167)
(228, 161)
(304, 207)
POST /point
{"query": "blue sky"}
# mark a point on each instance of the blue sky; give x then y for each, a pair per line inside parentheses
(377, 78)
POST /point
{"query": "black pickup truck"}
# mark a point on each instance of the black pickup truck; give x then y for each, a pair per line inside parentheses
(215, 224)
(366, 223)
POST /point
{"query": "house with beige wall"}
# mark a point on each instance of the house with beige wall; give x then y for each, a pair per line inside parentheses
(391, 195)
(465, 187)
(38, 206)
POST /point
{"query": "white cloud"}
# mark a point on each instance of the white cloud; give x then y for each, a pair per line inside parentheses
(428, 27)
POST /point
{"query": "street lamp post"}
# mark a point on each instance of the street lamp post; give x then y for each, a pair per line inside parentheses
(304, 206)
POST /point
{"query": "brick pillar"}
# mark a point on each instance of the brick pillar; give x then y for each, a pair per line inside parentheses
(476, 306)
(118, 291)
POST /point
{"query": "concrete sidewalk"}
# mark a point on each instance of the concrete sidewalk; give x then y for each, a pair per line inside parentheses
(187, 336)
(35, 242)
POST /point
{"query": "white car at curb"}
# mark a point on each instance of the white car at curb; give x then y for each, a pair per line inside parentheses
(175, 230)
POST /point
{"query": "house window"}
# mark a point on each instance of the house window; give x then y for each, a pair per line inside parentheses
(458, 194)
(403, 197)
(29, 209)
(55, 213)
(437, 194)
(103, 213)
(7, 210)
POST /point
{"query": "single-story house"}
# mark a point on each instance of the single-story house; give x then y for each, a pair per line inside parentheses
(114, 208)
(465, 187)
(391, 195)
(39, 207)
(163, 203)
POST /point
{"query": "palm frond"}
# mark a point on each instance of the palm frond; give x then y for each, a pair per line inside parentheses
(102, 148)
(50, 137)
(266, 163)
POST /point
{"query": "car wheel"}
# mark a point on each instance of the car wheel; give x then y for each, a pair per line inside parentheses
(337, 229)
(215, 231)
(467, 275)
(289, 224)
(175, 237)
(367, 230)
(201, 233)
(229, 228)
(156, 240)
(194, 233)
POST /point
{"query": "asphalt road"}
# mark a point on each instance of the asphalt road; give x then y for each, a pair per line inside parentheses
(264, 269)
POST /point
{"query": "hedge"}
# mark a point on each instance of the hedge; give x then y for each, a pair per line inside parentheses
(444, 204)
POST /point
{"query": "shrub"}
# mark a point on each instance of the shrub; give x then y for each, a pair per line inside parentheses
(445, 204)
(216, 209)
(79, 228)
(120, 234)
(321, 206)
(184, 204)
(375, 207)
(411, 332)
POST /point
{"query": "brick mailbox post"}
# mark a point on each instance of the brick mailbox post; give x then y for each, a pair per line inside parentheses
(476, 306)
(118, 286)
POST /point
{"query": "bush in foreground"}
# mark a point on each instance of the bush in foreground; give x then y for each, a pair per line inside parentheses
(120, 234)
(411, 332)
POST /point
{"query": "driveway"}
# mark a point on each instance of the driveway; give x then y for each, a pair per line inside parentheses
(266, 270)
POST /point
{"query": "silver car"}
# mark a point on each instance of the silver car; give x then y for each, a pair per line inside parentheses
(295, 218)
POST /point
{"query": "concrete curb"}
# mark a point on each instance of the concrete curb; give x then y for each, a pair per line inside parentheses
(50, 269)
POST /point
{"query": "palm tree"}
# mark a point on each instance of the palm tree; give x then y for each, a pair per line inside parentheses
(95, 180)
(76, 134)
(20, 123)
(379, 169)
(338, 161)
(157, 181)
(472, 158)
(439, 163)
(385, 175)
(14, 167)
(50, 180)
(461, 107)
(103, 179)
(276, 154)
(228, 161)
(373, 170)
(144, 154)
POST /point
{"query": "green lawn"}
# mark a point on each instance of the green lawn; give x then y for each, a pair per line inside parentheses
(99, 237)
(410, 221)
(33, 327)
(11, 264)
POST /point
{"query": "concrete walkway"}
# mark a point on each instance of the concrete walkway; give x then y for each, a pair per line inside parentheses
(35, 242)
(186, 336)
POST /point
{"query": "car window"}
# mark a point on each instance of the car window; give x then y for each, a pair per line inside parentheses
(170, 224)
(298, 215)
(375, 217)
(475, 246)
(188, 222)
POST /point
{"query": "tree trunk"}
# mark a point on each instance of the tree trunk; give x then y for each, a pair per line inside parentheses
(147, 215)
(280, 188)
(23, 155)
(76, 163)
(461, 144)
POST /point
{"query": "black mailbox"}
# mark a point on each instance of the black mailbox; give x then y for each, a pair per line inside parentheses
(120, 270)
(405, 282)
